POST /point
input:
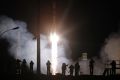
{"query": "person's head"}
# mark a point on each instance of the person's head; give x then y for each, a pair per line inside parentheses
(31, 62)
(113, 61)
(18, 60)
(48, 61)
(63, 63)
(24, 61)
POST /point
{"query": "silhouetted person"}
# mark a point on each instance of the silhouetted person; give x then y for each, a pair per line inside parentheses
(18, 66)
(71, 67)
(113, 65)
(77, 69)
(31, 66)
(48, 64)
(64, 68)
(106, 72)
(24, 67)
(91, 65)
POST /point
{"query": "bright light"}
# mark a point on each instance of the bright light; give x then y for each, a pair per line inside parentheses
(54, 37)
(54, 41)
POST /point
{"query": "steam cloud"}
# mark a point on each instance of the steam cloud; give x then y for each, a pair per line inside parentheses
(23, 46)
(111, 50)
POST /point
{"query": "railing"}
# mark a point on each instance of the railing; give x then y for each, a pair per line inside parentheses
(108, 67)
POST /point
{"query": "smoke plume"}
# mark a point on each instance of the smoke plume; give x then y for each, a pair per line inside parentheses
(111, 49)
(23, 45)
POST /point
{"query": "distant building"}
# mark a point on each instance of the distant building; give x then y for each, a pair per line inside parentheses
(84, 64)
(84, 56)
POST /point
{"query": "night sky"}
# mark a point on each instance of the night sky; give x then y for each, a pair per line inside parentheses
(87, 23)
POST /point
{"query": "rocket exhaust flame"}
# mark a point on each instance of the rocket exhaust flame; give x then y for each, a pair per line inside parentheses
(54, 41)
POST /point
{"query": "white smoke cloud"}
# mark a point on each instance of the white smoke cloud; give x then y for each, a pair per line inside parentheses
(23, 46)
(112, 47)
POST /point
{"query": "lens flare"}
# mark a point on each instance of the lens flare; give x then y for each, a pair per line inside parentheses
(54, 41)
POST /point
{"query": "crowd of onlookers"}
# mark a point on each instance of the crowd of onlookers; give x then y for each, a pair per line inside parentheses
(72, 68)
(21, 68)
(23, 71)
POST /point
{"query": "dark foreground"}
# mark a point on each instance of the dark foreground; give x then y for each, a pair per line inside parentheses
(60, 77)
(85, 77)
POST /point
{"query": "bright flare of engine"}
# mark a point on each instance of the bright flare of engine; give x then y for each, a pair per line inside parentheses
(54, 41)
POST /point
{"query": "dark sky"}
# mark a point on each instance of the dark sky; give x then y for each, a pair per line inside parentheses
(87, 22)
